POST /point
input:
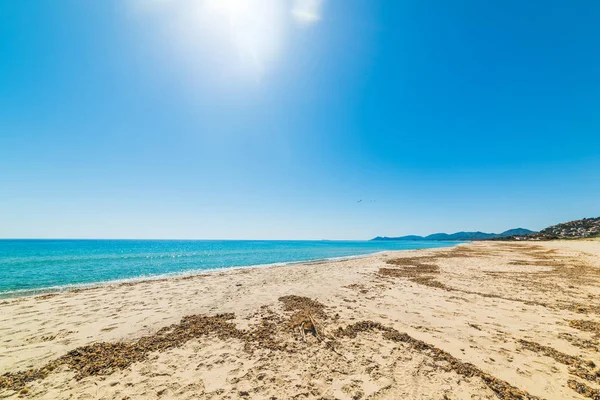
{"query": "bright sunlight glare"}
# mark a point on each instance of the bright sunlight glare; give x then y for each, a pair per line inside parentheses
(228, 36)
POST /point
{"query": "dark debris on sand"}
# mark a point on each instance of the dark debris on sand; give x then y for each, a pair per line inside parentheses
(264, 335)
(577, 366)
(502, 389)
(592, 345)
(584, 389)
(587, 326)
(306, 312)
(423, 270)
(106, 358)
(416, 269)
(301, 303)
(270, 333)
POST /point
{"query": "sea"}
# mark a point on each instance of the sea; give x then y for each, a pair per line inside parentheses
(30, 267)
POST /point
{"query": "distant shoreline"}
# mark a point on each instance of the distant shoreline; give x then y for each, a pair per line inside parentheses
(460, 236)
(171, 258)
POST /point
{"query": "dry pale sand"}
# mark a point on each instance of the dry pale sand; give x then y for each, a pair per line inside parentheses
(479, 321)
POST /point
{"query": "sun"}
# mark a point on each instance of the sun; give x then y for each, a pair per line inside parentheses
(254, 29)
(227, 37)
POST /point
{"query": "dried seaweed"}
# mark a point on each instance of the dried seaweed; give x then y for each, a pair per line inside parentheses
(306, 311)
(105, 358)
(584, 389)
(578, 367)
(502, 389)
(593, 345)
(264, 335)
(420, 270)
(587, 326)
(301, 303)
(415, 270)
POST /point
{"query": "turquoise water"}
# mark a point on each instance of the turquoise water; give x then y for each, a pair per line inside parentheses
(39, 266)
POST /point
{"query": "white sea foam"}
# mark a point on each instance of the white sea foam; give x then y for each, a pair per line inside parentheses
(180, 274)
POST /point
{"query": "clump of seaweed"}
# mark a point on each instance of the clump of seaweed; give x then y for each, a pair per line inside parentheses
(351, 331)
(301, 303)
(424, 263)
(581, 343)
(105, 358)
(584, 389)
(422, 270)
(265, 334)
(415, 276)
(578, 367)
(18, 380)
(359, 287)
(587, 326)
(581, 308)
(415, 270)
(306, 312)
(502, 389)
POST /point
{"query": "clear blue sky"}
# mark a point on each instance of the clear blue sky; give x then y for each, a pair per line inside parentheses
(273, 118)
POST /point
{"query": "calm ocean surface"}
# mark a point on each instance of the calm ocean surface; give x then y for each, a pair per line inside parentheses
(39, 266)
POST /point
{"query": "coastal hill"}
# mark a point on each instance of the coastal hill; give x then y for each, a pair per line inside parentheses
(462, 235)
(579, 229)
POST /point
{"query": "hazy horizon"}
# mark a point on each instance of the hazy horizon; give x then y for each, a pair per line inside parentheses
(245, 239)
(296, 119)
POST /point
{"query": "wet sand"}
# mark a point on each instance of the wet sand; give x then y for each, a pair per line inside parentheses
(484, 320)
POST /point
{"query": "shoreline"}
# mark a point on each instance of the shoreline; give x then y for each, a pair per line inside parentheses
(24, 293)
(475, 320)
(8, 295)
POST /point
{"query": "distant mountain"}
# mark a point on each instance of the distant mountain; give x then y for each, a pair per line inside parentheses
(518, 231)
(461, 235)
(409, 237)
(582, 228)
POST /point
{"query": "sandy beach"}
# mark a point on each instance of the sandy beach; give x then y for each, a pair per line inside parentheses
(484, 320)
